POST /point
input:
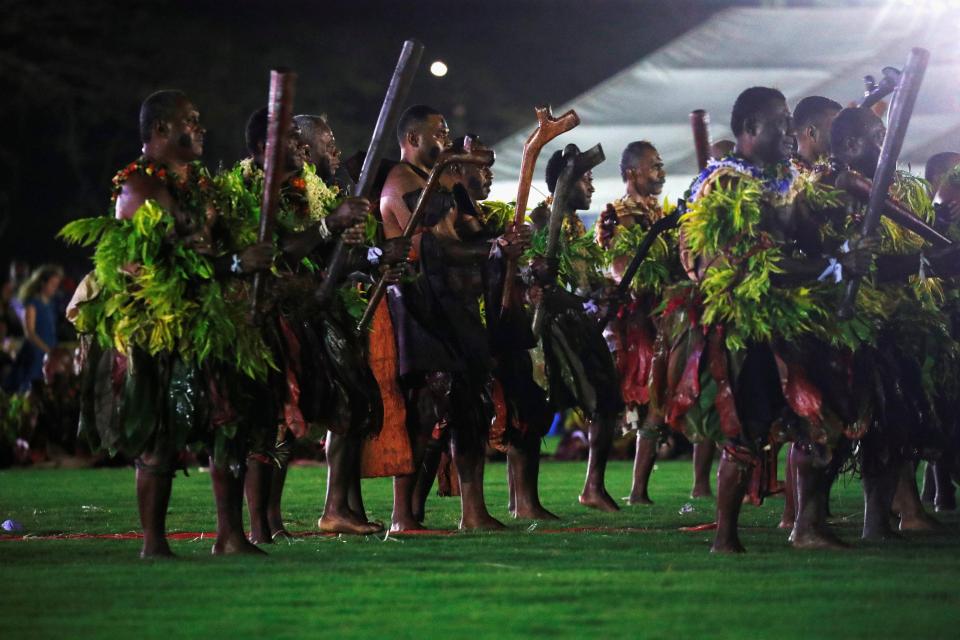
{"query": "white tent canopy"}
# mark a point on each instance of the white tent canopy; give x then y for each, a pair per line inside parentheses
(802, 52)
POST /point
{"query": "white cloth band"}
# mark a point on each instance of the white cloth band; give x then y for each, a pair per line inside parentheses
(834, 270)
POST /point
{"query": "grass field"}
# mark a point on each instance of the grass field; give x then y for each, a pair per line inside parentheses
(654, 583)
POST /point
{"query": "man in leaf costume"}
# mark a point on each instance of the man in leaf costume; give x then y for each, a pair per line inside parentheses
(912, 356)
(580, 369)
(620, 230)
(343, 509)
(944, 177)
(167, 340)
(739, 379)
(325, 378)
(812, 118)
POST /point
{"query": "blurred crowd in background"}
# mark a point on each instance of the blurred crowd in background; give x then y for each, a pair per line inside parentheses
(39, 383)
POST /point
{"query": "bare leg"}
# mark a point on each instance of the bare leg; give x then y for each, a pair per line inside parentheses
(643, 462)
(337, 517)
(732, 478)
(809, 532)
(594, 493)
(228, 495)
(154, 484)
(841, 454)
(431, 406)
(946, 495)
(426, 475)
(929, 490)
(469, 460)
(354, 491)
(878, 489)
(790, 492)
(274, 512)
(403, 519)
(906, 502)
(512, 470)
(523, 464)
(702, 464)
(257, 487)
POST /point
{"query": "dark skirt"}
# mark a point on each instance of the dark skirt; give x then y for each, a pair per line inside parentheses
(580, 369)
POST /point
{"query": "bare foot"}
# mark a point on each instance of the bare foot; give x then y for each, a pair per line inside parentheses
(404, 524)
(334, 523)
(236, 545)
(260, 539)
(879, 533)
(259, 531)
(921, 521)
(635, 498)
(816, 539)
(483, 522)
(701, 492)
(600, 500)
(727, 546)
(281, 534)
(533, 513)
(786, 520)
(154, 550)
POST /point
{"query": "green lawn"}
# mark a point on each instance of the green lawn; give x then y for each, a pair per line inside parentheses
(654, 583)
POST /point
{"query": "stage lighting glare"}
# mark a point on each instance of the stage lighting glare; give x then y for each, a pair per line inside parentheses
(934, 5)
(438, 68)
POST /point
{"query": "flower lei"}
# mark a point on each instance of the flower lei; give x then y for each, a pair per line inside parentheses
(193, 192)
(780, 183)
(304, 199)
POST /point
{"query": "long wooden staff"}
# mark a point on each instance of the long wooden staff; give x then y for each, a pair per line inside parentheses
(548, 128)
(279, 117)
(877, 91)
(446, 158)
(900, 111)
(393, 102)
(860, 187)
(576, 163)
(700, 125)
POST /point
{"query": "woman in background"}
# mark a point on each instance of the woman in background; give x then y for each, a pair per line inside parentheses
(39, 326)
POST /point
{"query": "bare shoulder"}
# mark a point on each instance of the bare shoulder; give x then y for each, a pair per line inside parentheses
(401, 180)
(138, 189)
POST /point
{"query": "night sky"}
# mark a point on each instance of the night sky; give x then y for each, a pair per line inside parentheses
(73, 75)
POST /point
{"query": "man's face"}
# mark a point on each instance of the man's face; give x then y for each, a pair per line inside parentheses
(648, 176)
(818, 144)
(867, 152)
(774, 135)
(323, 152)
(478, 179)
(432, 138)
(294, 151)
(582, 193)
(186, 133)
